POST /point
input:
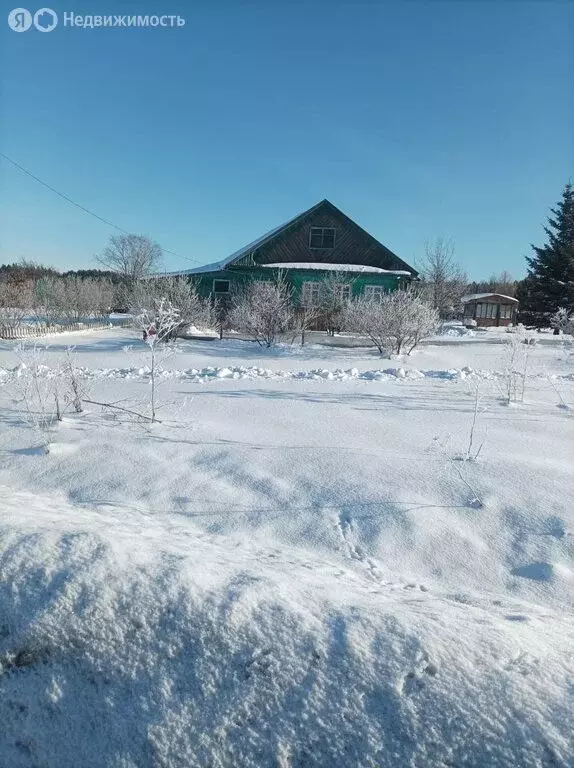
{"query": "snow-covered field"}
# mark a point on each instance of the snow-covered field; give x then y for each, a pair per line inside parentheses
(295, 567)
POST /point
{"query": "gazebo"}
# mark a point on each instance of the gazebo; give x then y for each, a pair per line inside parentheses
(487, 310)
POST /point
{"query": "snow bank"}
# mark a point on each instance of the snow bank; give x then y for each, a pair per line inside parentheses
(293, 568)
(455, 329)
(212, 373)
(190, 649)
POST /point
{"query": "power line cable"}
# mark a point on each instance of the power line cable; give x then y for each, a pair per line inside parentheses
(81, 207)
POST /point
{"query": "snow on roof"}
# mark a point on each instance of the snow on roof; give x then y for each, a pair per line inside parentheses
(476, 296)
(334, 267)
(216, 266)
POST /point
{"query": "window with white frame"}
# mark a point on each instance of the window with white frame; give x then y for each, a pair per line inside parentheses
(506, 311)
(487, 311)
(343, 292)
(310, 293)
(322, 238)
(374, 292)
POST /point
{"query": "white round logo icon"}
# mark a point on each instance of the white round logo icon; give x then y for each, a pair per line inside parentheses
(20, 20)
(45, 20)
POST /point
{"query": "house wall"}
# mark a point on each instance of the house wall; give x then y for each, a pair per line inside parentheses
(238, 276)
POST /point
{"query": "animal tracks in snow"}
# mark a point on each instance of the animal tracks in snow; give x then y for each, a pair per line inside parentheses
(416, 679)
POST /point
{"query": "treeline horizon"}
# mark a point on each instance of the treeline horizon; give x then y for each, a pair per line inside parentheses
(22, 271)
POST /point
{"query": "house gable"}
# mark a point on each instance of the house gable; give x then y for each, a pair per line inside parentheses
(292, 243)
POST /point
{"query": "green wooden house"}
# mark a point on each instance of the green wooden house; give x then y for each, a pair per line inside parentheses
(306, 249)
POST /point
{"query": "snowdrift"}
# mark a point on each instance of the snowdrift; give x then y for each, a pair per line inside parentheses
(185, 649)
(301, 565)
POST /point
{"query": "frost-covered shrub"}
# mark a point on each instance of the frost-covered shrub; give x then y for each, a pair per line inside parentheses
(15, 303)
(562, 320)
(398, 321)
(70, 299)
(158, 324)
(334, 296)
(519, 345)
(146, 296)
(263, 310)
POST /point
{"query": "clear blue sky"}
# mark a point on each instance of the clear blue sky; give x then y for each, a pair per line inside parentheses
(417, 119)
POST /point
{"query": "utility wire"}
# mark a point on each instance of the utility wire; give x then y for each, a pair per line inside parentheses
(81, 207)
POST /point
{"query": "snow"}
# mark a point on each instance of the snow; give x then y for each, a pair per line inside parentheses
(294, 567)
(318, 265)
(219, 265)
(475, 296)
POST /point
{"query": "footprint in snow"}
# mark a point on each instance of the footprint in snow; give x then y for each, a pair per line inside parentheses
(416, 679)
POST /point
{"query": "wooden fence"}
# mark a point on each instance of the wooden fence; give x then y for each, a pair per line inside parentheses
(33, 330)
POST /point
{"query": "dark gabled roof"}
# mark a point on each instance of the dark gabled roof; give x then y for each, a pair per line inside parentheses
(277, 231)
(373, 240)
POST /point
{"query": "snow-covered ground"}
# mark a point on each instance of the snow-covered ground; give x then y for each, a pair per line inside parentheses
(295, 567)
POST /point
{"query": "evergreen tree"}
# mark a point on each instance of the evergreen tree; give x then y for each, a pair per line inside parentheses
(550, 281)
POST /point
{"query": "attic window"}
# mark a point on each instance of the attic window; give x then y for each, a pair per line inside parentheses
(322, 237)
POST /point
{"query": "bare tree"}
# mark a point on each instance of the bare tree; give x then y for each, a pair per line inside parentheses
(83, 298)
(158, 324)
(503, 283)
(72, 299)
(48, 300)
(15, 303)
(443, 280)
(305, 316)
(334, 295)
(221, 311)
(395, 321)
(131, 256)
(263, 310)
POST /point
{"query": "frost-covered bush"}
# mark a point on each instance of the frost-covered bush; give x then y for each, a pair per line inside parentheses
(334, 297)
(146, 296)
(82, 298)
(395, 322)
(263, 310)
(70, 299)
(305, 317)
(519, 346)
(15, 303)
(562, 320)
(158, 323)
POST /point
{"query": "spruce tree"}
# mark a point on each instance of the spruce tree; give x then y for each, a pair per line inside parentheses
(550, 281)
